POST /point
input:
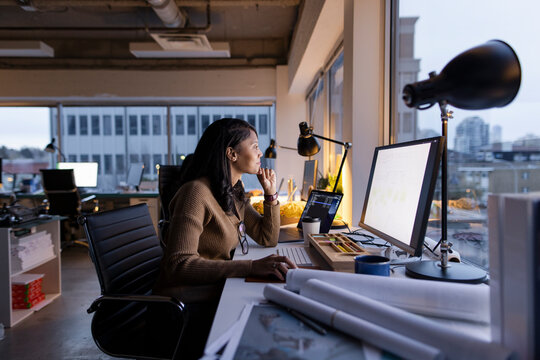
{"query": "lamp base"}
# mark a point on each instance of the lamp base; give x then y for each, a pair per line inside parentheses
(456, 272)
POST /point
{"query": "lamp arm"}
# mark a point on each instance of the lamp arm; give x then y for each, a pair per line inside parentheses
(62, 156)
(341, 167)
(344, 144)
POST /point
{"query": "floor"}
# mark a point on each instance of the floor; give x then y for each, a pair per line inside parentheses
(61, 330)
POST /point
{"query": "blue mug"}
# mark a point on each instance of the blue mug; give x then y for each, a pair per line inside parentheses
(372, 265)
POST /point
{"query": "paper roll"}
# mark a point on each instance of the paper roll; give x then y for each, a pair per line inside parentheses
(425, 297)
(454, 344)
(382, 338)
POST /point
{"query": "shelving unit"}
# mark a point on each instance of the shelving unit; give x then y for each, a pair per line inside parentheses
(50, 267)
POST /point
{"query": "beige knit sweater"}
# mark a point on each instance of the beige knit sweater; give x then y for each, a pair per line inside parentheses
(200, 239)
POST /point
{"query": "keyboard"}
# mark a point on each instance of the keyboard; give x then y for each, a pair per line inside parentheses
(297, 254)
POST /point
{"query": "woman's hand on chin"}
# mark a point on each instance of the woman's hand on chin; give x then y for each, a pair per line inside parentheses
(267, 178)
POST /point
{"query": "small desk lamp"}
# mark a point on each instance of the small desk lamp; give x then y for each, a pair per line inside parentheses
(308, 146)
(483, 77)
(51, 148)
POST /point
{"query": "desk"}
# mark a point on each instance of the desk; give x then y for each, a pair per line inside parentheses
(107, 201)
(237, 293)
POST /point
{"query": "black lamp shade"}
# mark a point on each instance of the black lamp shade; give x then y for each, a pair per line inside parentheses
(307, 144)
(483, 77)
(270, 152)
(50, 148)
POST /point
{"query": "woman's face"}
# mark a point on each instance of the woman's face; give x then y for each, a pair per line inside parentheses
(248, 156)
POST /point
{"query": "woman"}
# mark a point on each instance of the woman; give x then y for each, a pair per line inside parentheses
(209, 215)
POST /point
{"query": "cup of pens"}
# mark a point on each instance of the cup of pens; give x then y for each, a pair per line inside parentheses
(372, 265)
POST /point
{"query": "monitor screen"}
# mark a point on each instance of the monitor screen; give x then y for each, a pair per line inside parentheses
(400, 191)
(135, 174)
(85, 173)
(324, 205)
(310, 178)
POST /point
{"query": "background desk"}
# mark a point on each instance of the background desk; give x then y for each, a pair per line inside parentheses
(107, 201)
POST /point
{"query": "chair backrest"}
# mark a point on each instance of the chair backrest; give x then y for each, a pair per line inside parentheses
(125, 249)
(61, 191)
(168, 184)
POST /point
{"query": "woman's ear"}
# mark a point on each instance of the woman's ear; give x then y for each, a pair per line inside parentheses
(231, 154)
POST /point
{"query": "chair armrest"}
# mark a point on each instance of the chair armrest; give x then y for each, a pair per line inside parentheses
(88, 198)
(156, 299)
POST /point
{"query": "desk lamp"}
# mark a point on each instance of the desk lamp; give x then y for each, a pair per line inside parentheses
(51, 148)
(309, 146)
(482, 77)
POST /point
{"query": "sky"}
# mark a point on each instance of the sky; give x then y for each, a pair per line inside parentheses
(444, 29)
(33, 122)
(447, 28)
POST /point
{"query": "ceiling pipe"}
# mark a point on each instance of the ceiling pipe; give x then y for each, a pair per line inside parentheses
(169, 13)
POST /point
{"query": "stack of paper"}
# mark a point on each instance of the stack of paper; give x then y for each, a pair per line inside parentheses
(30, 250)
(26, 291)
(374, 321)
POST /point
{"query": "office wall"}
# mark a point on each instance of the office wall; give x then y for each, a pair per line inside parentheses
(100, 86)
(290, 110)
(365, 58)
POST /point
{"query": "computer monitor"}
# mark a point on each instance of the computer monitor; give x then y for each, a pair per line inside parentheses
(400, 191)
(309, 179)
(134, 175)
(86, 173)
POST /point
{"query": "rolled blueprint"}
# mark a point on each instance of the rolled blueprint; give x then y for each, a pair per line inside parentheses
(453, 344)
(382, 338)
(425, 297)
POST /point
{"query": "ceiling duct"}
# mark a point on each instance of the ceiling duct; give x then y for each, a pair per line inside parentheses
(169, 13)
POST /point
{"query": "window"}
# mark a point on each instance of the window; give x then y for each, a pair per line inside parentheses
(252, 120)
(133, 158)
(133, 129)
(71, 126)
(83, 125)
(241, 117)
(497, 140)
(216, 117)
(263, 124)
(205, 121)
(85, 158)
(146, 161)
(97, 158)
(107, 125)
(120, 164)
(191, 125)
(119, 125)
(179, 124)
(95, 124)
(72, 158)
(145, 126)
(156, 125)
(107, 160)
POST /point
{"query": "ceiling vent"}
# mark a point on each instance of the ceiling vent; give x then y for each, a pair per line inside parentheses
(25, 48)
(178, 45)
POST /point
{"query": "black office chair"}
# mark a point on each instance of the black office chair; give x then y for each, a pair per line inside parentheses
(168, 184)
(128, 320)
(64, 199)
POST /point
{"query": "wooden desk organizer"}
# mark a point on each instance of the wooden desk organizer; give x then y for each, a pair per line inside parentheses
(337, 250)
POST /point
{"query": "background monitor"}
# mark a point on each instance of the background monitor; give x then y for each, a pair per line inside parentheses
(309, 179)
(86, 173)
(135, 174)
(400, 191)
(323, 205)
